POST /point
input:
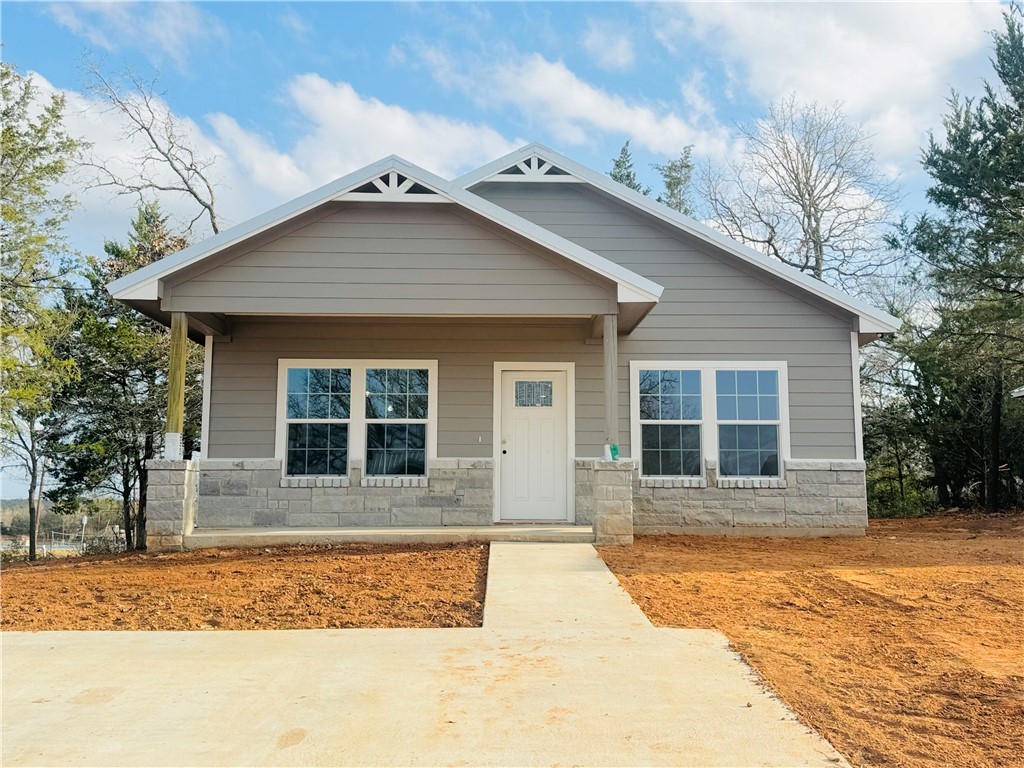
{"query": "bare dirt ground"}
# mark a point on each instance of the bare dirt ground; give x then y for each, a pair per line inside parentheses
(295, 587)
(904, 648)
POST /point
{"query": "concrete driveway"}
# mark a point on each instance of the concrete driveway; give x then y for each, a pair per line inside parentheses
(565, 671)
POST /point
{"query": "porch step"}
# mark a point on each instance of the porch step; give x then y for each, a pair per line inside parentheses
(258, 537)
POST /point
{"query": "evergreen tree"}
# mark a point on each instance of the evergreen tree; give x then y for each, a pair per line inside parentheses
(677, 175)
(624, 172)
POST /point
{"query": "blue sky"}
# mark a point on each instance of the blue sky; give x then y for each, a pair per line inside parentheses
(287, 96)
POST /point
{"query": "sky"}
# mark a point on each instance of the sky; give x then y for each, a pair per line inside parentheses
(284, 97)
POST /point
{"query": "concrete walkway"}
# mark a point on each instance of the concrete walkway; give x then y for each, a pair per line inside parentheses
(565, 671)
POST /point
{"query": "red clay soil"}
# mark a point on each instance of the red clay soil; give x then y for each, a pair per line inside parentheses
(904, 648)
(294, 587)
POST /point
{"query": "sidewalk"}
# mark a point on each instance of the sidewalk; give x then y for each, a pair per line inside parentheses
(565, 671)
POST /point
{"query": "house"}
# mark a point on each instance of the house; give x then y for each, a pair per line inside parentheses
(530, 342)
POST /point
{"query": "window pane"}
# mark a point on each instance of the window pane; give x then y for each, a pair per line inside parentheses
(533, 394)
(650, 436)
(670, 437)
(417, 436)
(417, 406)
(396, 436)
(317, 449)
(297, 436)
(316, 462)
(320, 380)
(746, 382)
(651, 463)
(376, 380)
(418, 378)
(650, 407)
(725, 382)
(746, 408)
(297, 378)
(316, 435)
(748, 450)
(340, 406)
(395, 449)
(768, 437)
(376, 406)
(341, 380)
(747, 437)
(726, 408)
(691, 463)
(670, 407)
(398, 407)
(296, 462)
(296, 407)
(387, 393)
(768, 408)
(670, 449)
(319, 406)
(691, 408)
(691, 382)
(416, 463)
(649, 383)
(670, 384)
(768, 382)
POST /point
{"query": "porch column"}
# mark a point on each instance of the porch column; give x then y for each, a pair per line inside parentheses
(176, 387)
(611, 383)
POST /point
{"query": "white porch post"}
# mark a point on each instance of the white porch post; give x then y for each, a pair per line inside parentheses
(611, 383)
(176, 387)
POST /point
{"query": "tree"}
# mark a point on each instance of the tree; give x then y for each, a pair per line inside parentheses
(112, 417)
(807, 191)
(37, 154)
(624, 173)
(167, 163)
(677, 176)
(975, 245)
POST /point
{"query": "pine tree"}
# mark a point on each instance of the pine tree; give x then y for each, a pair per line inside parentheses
(677, 175)
(624, 173)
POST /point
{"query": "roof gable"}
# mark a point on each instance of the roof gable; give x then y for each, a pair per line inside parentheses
(389, 180)
(872, 320)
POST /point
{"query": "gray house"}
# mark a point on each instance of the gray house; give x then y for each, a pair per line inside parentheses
(528, 344)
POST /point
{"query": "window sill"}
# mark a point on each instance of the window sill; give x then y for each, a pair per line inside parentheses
(393, 482)
(332, 481)
(751, 482)
(673, 482)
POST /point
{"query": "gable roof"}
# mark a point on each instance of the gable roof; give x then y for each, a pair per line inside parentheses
(391, 180)
(538, 163)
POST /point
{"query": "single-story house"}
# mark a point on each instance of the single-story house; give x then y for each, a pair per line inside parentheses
(529, 343)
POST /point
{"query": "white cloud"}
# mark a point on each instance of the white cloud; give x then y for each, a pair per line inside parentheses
(160, 30)
(551, 97)
(891, 64)
(608, 44)
(299, 28)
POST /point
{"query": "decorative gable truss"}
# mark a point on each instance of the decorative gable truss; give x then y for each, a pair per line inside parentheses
(393, 186)
(534, 168)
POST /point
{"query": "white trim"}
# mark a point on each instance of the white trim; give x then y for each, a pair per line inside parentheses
(858, 423)
(872, 320)
(204, 430)
(145, 283)
(569, 369)
(709, 406)
(357, 420)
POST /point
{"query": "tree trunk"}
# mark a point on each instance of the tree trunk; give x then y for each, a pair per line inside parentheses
(942, 485)
(995, 429)
(126, 514)
(148, 452)
(33, 513)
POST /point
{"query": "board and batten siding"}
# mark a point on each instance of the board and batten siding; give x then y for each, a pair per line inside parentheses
(408, 259)
(243, 385)
(712, 309)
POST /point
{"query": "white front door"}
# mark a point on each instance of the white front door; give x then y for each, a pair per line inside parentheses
(533, 446)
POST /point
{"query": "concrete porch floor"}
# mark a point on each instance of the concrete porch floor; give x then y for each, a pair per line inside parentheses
(257, 537)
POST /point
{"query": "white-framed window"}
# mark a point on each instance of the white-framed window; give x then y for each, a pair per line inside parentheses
(382, 412)
(685, 412)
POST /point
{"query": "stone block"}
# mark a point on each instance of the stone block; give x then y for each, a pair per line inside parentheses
(347, 504)
(470, 481)
(766, 518)
(847, 491)
(814, 506)
(365, 520)
(225, 518)
(804, 521)
(270, 518)
(606, 540)
(162, 527)
(711, 494)
(818, 476)
(845, 521)
(291, 494)
(377, 504)
(299, 506)
(476, 464)
(433, 464)
(438, 501)
(626, 465)
(808, 464)
(769, 502)
(614, 492)
(164, 543)
(478, 497)
(313, 521)
(237, 484)
(442, 486)
(165, 492)
(846, 465)
(850, 478)
(714, 518)
(413, 516)
(813, 490)
(608, 507)
(850, 506)
(613, 525)
(233, 503)
(266, 478)
(158, 476)
(478, 516)
(165, 509)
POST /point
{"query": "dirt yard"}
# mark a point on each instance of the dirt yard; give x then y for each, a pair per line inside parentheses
(904, 648)
(296, 587)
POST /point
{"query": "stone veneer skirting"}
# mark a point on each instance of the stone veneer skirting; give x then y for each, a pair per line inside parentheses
(816, 497)
(252, 492)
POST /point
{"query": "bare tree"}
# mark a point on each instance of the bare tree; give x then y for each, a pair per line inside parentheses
(166, 161)
(807, 190)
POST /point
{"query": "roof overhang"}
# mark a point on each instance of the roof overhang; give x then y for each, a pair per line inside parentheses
(394, 180)
(872, 322)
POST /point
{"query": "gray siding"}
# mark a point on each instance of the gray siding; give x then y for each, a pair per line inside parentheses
(244, 382)
(404, 259)
(712, 309)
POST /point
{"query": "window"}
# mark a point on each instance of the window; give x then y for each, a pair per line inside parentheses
(396, 421)
(317, 413)
(685, 412)
(748, 423)
(670, 415)
(333, 412)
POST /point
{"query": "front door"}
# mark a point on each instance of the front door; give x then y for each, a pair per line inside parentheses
(533, 446)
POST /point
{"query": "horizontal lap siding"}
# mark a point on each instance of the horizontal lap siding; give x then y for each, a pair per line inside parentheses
(710, 310)
(407, 259)
(244, 381)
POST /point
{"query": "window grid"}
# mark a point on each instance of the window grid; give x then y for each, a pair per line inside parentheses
(748, 411)
(670, 422)
(396, 416)
(317, 415)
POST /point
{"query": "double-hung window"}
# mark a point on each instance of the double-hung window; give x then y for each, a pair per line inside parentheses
(670, 416)
(379, 412)
(683, 413)
(748, 423)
